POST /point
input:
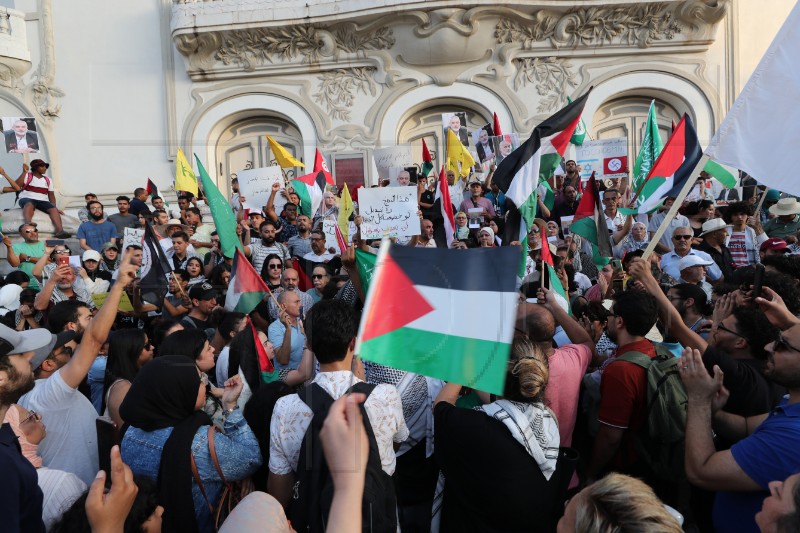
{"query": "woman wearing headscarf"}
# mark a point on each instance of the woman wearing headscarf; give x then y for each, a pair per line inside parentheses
(9, 304)
(637, 239)
(109, 257)
(59, 488)
(166, 429)
(504, 454)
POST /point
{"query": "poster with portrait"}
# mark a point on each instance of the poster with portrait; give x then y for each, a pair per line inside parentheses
(456, 121)
(504, 145)
(484, 147)
(20, 135)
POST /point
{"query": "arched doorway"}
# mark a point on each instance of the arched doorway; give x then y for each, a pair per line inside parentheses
(243, 145)
(627, 117)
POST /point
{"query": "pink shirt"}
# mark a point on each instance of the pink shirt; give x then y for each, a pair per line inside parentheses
(567, 367)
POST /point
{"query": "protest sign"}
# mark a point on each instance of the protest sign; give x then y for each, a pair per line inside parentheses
(566, 222)
(391, 161)
(20, 135)
(390, 212)
(132, 236)
(329, 229)
(607, 158)
(255, 185)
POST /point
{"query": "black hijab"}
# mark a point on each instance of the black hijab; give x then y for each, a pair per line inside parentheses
(163, 395)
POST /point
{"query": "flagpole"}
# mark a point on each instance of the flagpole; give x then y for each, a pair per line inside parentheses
(687, 187)
(761, 203)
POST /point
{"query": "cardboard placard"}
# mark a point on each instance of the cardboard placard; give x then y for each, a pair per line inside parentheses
(124, 302)
(607, 158)
(255, 185)
(391, 161)
(389, 211)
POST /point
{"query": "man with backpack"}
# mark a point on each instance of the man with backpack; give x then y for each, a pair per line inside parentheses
(38, 193)
(299, 477)
(628, 414)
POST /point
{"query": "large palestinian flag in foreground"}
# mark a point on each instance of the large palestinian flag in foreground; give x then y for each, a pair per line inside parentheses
(673, 167)
(434, 321)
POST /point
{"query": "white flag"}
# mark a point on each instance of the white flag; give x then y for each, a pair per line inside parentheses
(760, 133)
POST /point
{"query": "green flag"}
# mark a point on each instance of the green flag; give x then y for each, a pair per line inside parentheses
(365, 262)
(721, 173)
(221, 212)
(580, 131)
(648, 152)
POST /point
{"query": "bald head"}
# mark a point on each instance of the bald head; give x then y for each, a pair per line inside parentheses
(536, 321)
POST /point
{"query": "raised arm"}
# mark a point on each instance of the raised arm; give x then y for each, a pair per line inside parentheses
(573, 329)
(11, 255)
(270, 207)
(97, 331)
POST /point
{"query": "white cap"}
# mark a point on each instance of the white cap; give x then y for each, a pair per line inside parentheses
(92, 255)
(693, 260)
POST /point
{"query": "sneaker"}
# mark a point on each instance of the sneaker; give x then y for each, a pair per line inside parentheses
(62, 235)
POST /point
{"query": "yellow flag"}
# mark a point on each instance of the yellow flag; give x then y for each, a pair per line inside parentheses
(283, 157)
(345, 210)
(185, 178)
(458, 153)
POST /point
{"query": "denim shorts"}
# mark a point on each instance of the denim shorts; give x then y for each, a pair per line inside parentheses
(41, 205)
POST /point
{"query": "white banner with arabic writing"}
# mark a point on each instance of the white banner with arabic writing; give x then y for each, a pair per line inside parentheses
(388, 212)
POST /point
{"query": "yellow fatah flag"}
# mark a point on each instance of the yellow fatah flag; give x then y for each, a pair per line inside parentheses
(283, 157)
(345, 210)
(185, 178)
(458, 153)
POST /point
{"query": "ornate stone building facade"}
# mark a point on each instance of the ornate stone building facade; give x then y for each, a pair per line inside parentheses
(117, 87)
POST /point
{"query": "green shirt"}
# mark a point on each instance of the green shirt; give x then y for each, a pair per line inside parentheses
(778, 230)
(31, 249)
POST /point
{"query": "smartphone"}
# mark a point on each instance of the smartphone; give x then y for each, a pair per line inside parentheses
(758, 281)
(54, 242)
(302, 313)
(62, 260)
(616, 264)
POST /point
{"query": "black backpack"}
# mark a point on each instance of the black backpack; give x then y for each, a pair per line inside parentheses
(313, 489)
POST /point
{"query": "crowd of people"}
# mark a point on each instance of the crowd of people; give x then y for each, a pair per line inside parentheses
(121, 414)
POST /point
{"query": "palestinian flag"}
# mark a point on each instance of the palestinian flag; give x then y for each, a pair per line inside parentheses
(413, 318)
(722, 174)
(516, 229)
(590, 223)
(310, 188)
(579, 135)
(427, 161)
(224, 219)
(304, 270)
(673, 167)
(553, 281)
(497, 131)
(521, 172)
(246, 288)
(446, 208)
(320, 165)
(151, 189)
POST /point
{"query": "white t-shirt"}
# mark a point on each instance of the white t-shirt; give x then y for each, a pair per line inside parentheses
(222, 366)
(37, 182)
(71, 442)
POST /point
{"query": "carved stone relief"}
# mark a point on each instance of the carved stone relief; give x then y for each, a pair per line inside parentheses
(46, 95)
(337, 89)
(552, 77)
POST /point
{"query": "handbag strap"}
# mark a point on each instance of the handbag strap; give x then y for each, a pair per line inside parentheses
(212, 448)
(196, 476)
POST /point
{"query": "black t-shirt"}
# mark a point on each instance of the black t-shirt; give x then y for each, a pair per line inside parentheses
(751, 393)
(492, 484)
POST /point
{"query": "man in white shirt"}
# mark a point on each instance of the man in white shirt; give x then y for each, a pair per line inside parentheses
(332, 329)
(318, 252)
(682, 242)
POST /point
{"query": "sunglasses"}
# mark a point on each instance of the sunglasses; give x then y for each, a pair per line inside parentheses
(317, 276)
(32, 417)
(31, 231)
(317, 239)
(535, 230)
(783, 345)
(681, 237)
(276, 267)
(62, 252)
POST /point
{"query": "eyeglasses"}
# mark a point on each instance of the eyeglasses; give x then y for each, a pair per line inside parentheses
(782, 345)
(31, 231)
(32, 417)
(62, 252)
(681, 237)
(732, 332)
(276, 266)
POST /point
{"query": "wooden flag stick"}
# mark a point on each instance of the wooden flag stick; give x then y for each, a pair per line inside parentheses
(675, 206)
(761, 203)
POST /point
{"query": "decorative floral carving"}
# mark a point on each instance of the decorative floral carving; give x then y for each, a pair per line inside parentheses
(259, 46)
(636, 24)
(10, 78)
(47, 99)
(337, 89)
(551, 76)
(45, 93)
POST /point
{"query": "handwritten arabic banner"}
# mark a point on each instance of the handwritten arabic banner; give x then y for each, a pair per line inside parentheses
(255, 185)
(388, 211)
(391, 161)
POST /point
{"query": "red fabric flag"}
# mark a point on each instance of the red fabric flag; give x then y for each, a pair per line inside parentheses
(496, 126)
(340, 239)
(264, 362)
(321, 165)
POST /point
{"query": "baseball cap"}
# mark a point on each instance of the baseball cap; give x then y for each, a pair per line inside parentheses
(108, 245)
(91, 255)
(202, 291)
(18, 342)
(36, 162)
(693, 260)
(57, 341)
(775, 244)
